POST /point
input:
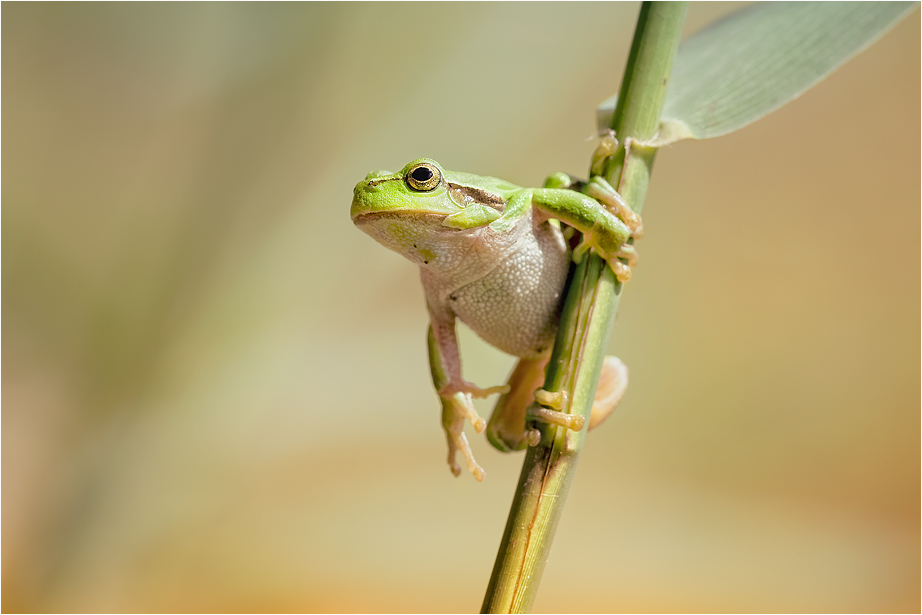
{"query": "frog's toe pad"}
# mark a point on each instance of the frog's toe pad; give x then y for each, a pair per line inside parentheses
(555, 417)
(457, 442)
(622, 271)
(452, 464)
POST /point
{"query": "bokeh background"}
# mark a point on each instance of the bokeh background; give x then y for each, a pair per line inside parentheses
(215, 391)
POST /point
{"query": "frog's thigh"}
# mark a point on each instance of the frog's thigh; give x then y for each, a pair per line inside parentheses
(506, 429)
(612, 385)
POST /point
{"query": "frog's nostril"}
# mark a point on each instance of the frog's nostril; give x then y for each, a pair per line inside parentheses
(375, 174)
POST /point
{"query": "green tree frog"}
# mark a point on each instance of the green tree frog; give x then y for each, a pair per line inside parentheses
(495, 256)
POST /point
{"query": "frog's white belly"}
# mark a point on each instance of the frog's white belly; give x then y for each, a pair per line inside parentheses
(516, 305)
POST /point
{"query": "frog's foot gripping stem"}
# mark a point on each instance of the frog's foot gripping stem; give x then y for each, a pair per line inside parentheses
(599, 189)
(456, 408)
(623, 271)
(610, 234)
(550, 406)
(625, 251)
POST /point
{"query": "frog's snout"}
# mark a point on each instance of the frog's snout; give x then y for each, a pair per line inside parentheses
(371, 181)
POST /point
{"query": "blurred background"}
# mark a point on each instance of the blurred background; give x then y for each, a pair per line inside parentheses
(215, 389)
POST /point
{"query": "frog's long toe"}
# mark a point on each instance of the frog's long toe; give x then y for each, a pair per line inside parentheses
(628, 253)
(452, 453)
(463, 386)
(557, 401)
(453, 416)
(622, 271)
(480, 393)
(599, 189)
(458, 442)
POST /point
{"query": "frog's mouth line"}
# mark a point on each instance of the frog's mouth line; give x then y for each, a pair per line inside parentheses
(429, 217)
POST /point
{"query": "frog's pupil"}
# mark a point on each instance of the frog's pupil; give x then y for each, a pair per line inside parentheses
(422, 174)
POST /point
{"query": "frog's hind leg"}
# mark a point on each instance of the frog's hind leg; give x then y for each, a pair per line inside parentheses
(551, 406)
(506, 429)
(457, 408)
(612, 385)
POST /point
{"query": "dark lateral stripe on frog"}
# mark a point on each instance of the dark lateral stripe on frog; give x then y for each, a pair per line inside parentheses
(480, 196)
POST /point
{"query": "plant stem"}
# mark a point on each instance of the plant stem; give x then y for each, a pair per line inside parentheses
(588, 313)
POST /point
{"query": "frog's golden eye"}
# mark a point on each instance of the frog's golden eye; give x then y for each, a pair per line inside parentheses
(424, 177)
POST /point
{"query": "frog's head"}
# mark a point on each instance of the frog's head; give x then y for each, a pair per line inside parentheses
(420, 189)
(423, 205)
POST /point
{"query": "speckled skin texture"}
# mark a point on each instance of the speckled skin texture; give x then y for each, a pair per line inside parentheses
(504, 285)
(490, 255)
(514, 303)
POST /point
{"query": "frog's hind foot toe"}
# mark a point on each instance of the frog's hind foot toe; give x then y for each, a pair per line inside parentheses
(549, 408)
(455, 411)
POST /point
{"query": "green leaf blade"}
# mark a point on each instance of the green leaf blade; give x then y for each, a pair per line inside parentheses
(741, 68)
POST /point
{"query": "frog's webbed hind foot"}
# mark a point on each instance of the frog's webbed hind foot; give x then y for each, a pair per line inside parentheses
(455, 410)
(549, 406)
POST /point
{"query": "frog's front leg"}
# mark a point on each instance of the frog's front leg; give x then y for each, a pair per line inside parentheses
(599, 189)
(602, 230)
(455, 394)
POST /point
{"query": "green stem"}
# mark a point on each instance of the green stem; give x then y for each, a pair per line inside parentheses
(586, 321)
